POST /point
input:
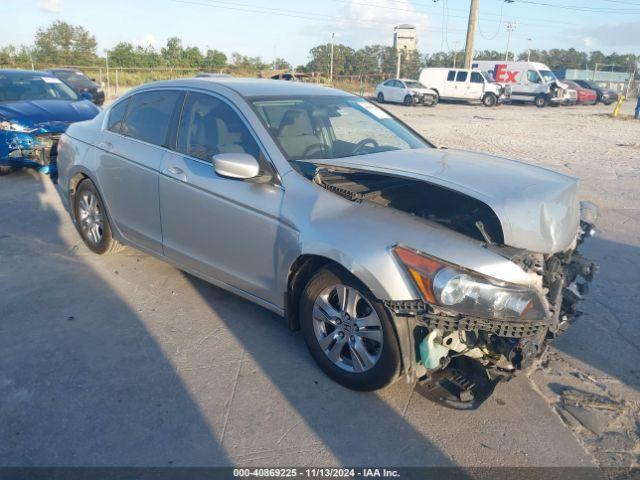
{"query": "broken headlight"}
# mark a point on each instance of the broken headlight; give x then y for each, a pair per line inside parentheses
(13, 126)
(469, 293)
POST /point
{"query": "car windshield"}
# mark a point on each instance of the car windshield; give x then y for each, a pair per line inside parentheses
(548, 76)
(33, 87)
(413, 84)
(75, 79)
(317, 127)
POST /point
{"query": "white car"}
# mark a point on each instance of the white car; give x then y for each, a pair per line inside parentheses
(406, 91)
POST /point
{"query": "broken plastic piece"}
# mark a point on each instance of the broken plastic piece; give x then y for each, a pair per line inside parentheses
(432, 353)
(464, 385)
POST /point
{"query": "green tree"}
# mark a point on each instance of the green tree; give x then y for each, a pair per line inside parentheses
(62, 43)
(215, 60)
(172, 52)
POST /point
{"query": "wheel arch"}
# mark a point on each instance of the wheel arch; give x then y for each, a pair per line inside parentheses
(304, 268)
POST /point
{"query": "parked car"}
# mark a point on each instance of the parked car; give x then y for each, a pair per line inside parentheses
(406, 91)
(212, 75)
(586, 96)
(80, 83)
(322, 207)
(35, 109)
(605, 95)
(466, 85)
(530, 81)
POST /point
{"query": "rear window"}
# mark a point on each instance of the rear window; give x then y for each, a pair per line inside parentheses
(149, 116)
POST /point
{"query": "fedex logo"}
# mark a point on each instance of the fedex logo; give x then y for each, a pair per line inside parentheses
(502, 75)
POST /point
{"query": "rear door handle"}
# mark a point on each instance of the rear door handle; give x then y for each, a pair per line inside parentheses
(175, 172)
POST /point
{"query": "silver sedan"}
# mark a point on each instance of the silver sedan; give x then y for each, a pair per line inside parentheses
(393, 256)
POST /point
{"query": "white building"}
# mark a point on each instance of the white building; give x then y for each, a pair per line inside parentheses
(405, 38)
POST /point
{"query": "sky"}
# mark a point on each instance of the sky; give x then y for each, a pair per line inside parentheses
(290, 28)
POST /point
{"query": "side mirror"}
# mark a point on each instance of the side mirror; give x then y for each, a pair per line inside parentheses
(240, 166)
(86, 96)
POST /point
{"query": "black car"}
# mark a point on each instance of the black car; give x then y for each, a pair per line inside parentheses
(605, 95)
(80, 83)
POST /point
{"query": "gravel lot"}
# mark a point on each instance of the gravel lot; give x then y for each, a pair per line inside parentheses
(126, 361)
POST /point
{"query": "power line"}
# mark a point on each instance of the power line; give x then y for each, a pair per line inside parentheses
(283, 12)
(580, 8)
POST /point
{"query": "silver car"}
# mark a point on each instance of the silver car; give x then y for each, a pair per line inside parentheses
(394, 257)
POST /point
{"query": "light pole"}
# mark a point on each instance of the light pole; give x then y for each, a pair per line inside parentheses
(529, 50)
(511, 26)
(331, 66)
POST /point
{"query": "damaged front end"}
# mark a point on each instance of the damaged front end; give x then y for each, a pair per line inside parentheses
(459, 358)
(22, 147)
(469, 331)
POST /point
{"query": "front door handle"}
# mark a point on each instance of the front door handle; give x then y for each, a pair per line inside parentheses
(175, 172)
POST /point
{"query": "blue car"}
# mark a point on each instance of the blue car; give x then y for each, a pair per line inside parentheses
(35, 110)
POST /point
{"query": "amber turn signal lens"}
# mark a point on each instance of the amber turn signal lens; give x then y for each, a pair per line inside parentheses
(421, 269)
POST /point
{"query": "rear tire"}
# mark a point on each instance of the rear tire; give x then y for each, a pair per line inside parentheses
(380, 97)
(92, 220)
(489, 100)
(541, 101)
(5, 170)
(354, 345)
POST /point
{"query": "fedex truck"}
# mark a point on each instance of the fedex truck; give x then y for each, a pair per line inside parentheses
(529, 81)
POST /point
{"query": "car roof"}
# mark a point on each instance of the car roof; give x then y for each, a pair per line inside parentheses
(249, 87)
(34, 73)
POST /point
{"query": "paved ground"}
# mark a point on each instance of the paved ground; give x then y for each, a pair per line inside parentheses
(125, 360)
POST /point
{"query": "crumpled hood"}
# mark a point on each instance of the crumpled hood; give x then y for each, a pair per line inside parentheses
(538, 209)
(423, 91)
(47, 113)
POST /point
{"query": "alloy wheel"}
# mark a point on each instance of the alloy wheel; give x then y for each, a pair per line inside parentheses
(90, 217)
(347, 328)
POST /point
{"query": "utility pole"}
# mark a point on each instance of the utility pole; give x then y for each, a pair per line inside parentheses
(529, 50)
(455, 53)
(399, 53)
(471, 33)
(511, 26)
(108, 83)
(331, 67)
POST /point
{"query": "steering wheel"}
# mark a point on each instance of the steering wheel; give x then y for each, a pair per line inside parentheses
(312, 148)
(362, 143)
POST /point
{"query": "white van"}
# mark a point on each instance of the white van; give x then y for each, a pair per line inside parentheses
(462, 84)
(529, 81)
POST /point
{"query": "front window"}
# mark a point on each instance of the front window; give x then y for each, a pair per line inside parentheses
(476, 77)
(317, 127)
(533, 77)
(548, 76)
(414, 84)
(34, 87)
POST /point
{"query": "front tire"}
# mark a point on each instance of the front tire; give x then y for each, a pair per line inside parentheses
(92, 221)
(5, 170)
(408, 101)
(489, 100)
(349, 332)
(541, 101)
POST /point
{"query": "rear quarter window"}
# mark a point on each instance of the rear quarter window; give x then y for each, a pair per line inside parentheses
(116, 115)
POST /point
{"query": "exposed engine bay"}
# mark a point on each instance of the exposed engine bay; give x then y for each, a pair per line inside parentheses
(458, 359)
